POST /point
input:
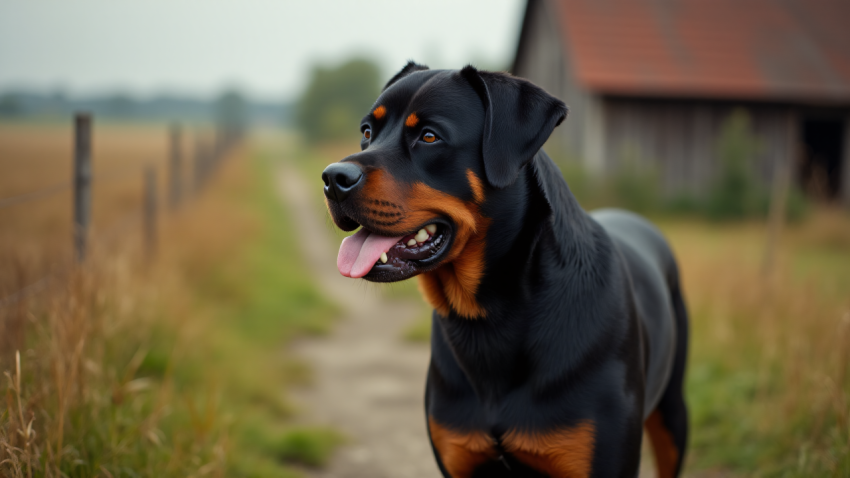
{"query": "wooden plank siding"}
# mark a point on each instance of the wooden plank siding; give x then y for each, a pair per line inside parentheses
(678, 139)
(675, 136)
(845, 164)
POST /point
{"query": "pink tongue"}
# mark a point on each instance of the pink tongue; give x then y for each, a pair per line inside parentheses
(359, 252)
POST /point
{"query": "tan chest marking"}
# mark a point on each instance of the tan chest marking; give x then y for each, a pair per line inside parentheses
(453, 286)
(564, 453)
(461, 452)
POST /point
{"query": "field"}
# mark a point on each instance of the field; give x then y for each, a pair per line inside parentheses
(37, 156)
(178, 366)
(767, 382)
(171, 367)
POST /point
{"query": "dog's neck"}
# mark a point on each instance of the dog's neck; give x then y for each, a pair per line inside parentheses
(529, 249)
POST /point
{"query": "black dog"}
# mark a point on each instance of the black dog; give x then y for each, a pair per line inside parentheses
(557, 335)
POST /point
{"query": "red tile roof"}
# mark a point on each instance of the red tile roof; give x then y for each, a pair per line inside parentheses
(762, 49)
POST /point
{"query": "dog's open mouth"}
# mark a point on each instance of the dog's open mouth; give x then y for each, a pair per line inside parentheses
(380, 258)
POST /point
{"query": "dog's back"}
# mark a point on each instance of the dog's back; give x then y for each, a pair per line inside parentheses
(661, 309)
(652, 270)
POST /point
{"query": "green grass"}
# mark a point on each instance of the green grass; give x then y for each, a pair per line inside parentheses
(308, 446)
(767, 383)
(262, 300)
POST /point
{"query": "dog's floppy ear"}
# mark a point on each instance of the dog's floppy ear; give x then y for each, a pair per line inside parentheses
(409, 68)
(519, 117)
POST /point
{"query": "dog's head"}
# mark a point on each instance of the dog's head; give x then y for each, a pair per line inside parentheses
(435, 144)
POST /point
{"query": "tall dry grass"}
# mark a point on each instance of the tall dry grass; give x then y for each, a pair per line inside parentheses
(91, 361)
(36, 237)
(768, 380)
(172, 366)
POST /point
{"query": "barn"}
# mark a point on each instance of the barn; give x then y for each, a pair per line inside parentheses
(655, 80)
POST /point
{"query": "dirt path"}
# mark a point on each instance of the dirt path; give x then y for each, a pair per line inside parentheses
(369, 384)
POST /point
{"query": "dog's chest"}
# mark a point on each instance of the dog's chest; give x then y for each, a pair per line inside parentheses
(565, 452)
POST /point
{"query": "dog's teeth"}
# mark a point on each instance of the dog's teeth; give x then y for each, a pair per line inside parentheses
(383, 257)
(411, 242)
(431, 228)
(421, 236)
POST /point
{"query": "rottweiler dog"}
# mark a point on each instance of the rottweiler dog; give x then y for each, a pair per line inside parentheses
(557, 335)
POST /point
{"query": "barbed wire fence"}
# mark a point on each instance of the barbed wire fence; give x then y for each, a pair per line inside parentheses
(208, 156)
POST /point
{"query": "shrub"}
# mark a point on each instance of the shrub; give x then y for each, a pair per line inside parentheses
(636, 187)
(308, 446)
(336, 99)
(735, 191)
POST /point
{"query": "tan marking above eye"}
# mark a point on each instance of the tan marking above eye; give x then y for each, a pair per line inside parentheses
(379, 112)
(367, 133)
(411, 120)
(429, 137)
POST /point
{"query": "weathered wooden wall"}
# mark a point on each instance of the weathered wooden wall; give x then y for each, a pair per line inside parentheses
(678, 138)
(845, 179)
(675, 137)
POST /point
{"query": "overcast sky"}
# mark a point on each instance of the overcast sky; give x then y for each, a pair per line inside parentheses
(265, 47)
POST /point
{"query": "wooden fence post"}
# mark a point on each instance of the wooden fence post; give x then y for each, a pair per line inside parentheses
(217, 146)
(82, 182)
(199, 165)
(176, 168)
(150, 210)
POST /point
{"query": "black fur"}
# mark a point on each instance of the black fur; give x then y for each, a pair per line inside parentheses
(585, 318)
(519, 117)
(409, 68)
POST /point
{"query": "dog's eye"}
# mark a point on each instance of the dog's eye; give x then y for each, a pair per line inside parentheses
(429, 137)
(367, 133)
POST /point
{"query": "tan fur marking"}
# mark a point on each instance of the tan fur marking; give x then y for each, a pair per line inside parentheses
(476, 186)
(461, 453)
(666, 454)
(454, 284)
(411, 120)
(379, 112)
(563, 453)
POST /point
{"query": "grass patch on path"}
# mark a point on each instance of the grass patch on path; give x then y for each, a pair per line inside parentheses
(262, 299)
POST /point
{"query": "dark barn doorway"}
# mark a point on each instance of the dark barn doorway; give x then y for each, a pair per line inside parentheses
(820, 165)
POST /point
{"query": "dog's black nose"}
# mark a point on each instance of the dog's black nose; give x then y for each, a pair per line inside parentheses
(340, 180)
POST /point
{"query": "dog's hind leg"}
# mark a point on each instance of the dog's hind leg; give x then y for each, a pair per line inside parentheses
(667, 426)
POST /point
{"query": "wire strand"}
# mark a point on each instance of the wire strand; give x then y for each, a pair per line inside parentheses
(27, 291)
(109, 175)
(35, 195)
